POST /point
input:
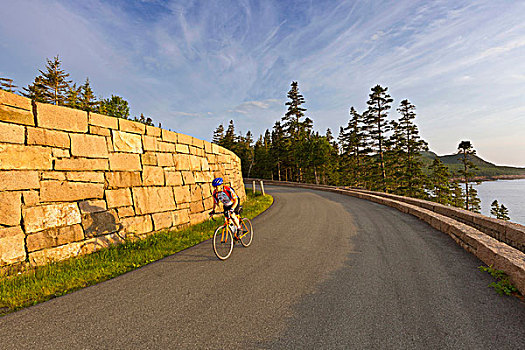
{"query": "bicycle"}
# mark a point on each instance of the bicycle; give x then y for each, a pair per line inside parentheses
(226, 235)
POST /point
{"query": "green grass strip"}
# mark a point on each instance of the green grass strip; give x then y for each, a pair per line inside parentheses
(46, 282)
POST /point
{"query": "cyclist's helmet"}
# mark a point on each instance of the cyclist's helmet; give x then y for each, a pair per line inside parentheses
(217, 181)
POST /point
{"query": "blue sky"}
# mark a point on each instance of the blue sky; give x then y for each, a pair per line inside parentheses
(192, 65)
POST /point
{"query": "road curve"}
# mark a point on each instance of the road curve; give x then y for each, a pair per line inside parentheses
(324, 271)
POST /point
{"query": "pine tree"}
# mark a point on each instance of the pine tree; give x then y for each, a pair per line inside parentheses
(115, 106)
(411, 145)
(218, 134)
(353, 148)
(466, 149)
(35, 91)
(279, 149)
(296, 129)
(6, 84)
(73, 96)
(377, 127)
(229, 137)
(55, 82)
(439, 183)
(88, 101)
(499, 212)
(458, 198)
(473, 199)
(144, 120)
(494, 209)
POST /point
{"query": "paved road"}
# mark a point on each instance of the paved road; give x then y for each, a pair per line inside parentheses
(325, 271)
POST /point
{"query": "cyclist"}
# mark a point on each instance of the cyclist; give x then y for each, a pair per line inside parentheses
(229, 199)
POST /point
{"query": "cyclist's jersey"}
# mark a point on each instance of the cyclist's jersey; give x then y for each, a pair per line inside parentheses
(225, 196)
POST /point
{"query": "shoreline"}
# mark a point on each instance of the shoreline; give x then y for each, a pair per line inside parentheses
(494, 178)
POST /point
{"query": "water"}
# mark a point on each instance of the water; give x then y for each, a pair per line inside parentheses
(511, 193)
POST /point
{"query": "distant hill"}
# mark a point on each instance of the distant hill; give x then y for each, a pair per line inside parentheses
(485, 169)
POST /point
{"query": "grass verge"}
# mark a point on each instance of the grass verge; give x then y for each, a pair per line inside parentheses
(46, 282)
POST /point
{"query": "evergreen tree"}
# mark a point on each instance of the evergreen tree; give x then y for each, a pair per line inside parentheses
(466, 149)
(88, 101)
(115, 106)
(410, 145)
(218, 134)
(504, 213)
(144, 120)
(377, 127)
(229, 137)
(494, 209)
(500, 212)
(458, 198)
(35, 91)
(296, 129)
(6, 84)
(439, 183)
(473, 199)
(278, 150)
(353, 143)
(55, 82)
(73, 96)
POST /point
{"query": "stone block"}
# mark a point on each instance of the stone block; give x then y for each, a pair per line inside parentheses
(195, 163)
(149, 158)
(173, 178)
(165, 159)
(45, 137)
(196, 151)
(208, 203)
(131, 126)
(10, 208)
(101, 223)
(64, 191)
(18, 180)
(125, 212)
(11, 133)
(53, 175)
(126, 142)
(215, 148)
(205, 166)
(103, 121)
(81, 164)
(47, 216)
(198, 217)
(119, 198)
(12, 245)
(182, 194)
(16, 109)
(20, 157)
(149, 200)
(182, 161)
(61, 153)
(153, 131)
(61, 118)
(162, 220)
(85, 176)
(207, 147)
(196, 193)
(124, 162)
(165, 147)
(54, 237)
(92, 206)
(149, 143)
(169, 136)
(188, 178)
(185, 139)
(137, 224)
(199, 177)
(46, 256)
(97, 130)
(30, 198)
(91, 146)
(181, 217)
(152, 176)
(182, 148)
(123, 179)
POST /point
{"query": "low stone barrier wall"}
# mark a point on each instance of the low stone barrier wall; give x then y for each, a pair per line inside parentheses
(72, 182)
(454, 222)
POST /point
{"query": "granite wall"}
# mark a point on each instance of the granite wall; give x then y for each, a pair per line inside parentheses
(72, 182)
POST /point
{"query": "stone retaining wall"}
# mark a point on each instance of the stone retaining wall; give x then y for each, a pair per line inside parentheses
(459, 224)
(72, 182)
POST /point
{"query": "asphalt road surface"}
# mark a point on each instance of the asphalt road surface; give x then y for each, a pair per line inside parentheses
(325, 271)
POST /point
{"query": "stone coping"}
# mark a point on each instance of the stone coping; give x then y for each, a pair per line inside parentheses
(448, 220)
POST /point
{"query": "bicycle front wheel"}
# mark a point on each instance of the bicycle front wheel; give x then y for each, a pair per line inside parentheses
(222, 242)
(246, 235)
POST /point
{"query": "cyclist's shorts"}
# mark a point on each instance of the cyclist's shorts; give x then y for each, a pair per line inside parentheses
(229, 208)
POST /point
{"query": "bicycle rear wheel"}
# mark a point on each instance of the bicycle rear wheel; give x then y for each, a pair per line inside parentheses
(247, 235)
(222, 242)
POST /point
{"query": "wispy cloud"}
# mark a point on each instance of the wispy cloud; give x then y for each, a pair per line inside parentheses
(178, 61)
